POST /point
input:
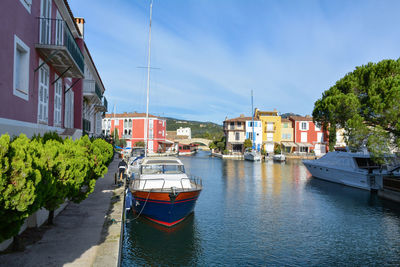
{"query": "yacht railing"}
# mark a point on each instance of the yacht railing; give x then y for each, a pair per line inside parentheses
(195, 182)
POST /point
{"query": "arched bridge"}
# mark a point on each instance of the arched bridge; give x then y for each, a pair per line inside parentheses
(200, 141)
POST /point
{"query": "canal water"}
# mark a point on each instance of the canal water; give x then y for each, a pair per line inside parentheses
(269, 214)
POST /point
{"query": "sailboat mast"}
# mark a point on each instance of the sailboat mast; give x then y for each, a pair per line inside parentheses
(252, 118)
(146, 126)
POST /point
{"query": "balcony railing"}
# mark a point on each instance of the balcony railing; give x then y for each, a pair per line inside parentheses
(57, 44)
(91, 88)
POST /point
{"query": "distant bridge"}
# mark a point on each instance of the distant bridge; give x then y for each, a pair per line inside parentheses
(200, 141)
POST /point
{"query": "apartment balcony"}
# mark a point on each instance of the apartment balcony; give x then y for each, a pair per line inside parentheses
(59, 48)
(92, 91)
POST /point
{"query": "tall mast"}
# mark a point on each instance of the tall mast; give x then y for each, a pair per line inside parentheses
(114, 125)
(146, 125)
(252, 119)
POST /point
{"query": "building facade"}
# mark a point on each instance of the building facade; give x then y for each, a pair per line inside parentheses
(131, 127)
(271, 125)
(235, 134)
(42, 68)
(186, 132)
(308, 136)
(287, 141)
(257, 130)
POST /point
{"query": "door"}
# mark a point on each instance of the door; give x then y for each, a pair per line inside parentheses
(69, 110)
(150, 146)
(59, 29)
(57, 101)
(43, 103)
(45, 22)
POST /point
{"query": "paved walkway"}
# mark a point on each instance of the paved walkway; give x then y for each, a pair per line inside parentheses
(76, 235)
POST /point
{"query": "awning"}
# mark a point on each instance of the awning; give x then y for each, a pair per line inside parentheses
(289, 144)
(305, 144)
(166, 142)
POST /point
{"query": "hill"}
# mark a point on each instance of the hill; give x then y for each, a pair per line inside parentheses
(199, 129)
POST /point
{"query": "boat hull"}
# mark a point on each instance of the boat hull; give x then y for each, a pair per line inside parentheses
(252, 157)
(352, 178)
(163, 209)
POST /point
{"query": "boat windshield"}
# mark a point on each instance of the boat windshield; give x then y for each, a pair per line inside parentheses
(163, 169)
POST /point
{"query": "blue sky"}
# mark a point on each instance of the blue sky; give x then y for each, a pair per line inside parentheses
(212, 53)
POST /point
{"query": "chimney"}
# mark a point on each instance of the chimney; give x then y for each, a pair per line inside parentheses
(241, 115)
(80, 22)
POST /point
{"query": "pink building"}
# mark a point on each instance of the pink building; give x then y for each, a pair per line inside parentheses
(42, 69)
(131, 127)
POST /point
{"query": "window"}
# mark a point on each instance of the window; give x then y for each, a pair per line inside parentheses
(270, 126)
(270, 137)
(57, 101)
(151, 134)
(116, 122)
(304, 126)
(250, 124)
(237, 136)
(27, 4)
(317, 129)
(250, 135)
(320, 137)
(21, 69)
(303, 137)
(43, 103)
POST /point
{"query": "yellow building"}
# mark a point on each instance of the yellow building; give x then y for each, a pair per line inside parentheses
(271, 125)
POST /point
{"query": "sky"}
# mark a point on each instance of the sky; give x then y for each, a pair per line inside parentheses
(208, 55)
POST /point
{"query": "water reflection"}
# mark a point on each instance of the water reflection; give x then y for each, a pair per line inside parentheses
(270, 214)
(151, 244)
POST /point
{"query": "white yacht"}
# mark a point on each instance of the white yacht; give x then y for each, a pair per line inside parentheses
(352, 169)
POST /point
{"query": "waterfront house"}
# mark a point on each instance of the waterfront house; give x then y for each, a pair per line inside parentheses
(287, 141)
(130, 126)
(235, 133)
(271, 125)
(42, 68)
(308, 136)
(184, 132)
(257, 132)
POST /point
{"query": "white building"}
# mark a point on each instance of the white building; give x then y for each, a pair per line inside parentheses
(184, 131)
(257, 132)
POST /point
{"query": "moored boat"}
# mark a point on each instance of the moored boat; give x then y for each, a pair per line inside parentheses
(279, 157)
(252, 155)
(348, 168)
(163, 192)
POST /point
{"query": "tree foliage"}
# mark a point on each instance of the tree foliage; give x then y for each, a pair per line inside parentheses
(366, 103)
(248, 143)
(44, 172)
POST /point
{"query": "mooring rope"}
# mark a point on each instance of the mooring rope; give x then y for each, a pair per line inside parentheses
(129, 220)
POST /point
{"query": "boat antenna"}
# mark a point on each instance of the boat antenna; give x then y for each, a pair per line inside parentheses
(146, 125)
(252, 118)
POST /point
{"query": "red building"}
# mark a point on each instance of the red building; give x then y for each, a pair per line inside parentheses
(307, 136)
(130, 126)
